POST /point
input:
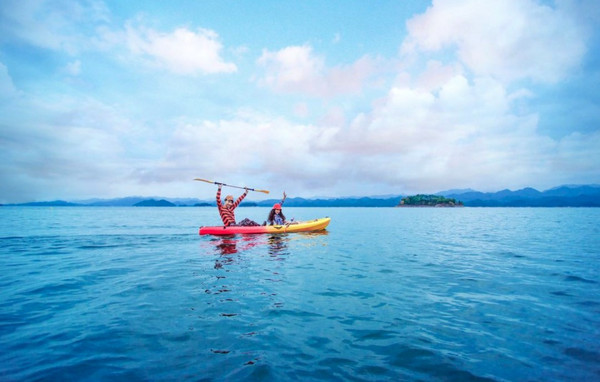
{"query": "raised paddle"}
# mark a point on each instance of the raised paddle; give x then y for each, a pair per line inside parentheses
(229, 185)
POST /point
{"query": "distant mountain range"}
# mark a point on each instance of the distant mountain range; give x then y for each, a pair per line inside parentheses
(563, 196)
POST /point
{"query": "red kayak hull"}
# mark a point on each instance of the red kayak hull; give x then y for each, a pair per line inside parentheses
(304, 226)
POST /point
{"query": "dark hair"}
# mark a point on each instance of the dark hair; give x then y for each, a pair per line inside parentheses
(272, 215)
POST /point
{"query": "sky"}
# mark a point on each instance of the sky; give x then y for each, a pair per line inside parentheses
(105, 99)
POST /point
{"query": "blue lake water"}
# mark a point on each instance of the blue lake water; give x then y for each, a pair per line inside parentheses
(464, 294)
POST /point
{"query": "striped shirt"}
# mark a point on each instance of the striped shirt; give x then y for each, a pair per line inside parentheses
(226, 212)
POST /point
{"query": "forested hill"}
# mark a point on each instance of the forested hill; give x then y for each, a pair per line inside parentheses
(429, 201)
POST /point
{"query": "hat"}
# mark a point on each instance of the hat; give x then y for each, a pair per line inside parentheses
(277, 206)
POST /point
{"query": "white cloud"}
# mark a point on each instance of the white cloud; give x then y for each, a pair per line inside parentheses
(510, 40)
(263, 149)
(182, 51)
(73, 68)
(334, 117)
(301, 110)
(67, 148)
(57, 25)
(73, 27)
(293, 68)
(436, 74)
(578, 156)
(464, 134)
(414, 141)
(296, 69)
(7, 88)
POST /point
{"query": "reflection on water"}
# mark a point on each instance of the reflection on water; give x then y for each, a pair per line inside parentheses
(229, 294)
(278, 246)
(229, 248)
(235, 258)
(275, 244)
(237, 254)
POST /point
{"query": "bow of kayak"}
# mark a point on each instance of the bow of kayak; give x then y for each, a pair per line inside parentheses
(304, 226)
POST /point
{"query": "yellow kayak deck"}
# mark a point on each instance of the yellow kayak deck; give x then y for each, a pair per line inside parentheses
(303, 226)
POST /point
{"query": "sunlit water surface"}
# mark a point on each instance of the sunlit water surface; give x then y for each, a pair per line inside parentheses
(461, 294)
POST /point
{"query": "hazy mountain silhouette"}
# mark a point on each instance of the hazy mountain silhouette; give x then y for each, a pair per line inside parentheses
(562, 196)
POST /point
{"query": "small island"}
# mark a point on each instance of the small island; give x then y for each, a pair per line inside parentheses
(429, 201)
(154, 203)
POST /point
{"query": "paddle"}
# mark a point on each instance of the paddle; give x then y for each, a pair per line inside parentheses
(228, 185)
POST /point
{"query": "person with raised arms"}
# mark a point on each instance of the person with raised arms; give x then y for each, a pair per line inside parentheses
(276, 216)
(226, 210)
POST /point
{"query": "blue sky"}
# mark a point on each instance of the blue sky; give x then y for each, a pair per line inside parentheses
(111, 98)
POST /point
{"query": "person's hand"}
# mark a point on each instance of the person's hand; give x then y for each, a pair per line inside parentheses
(284, 195)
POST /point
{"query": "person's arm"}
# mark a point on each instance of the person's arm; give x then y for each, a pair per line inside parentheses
(219, 197)
(283, 200)
(239, 200)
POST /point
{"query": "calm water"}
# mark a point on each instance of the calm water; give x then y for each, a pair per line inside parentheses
(384, 294)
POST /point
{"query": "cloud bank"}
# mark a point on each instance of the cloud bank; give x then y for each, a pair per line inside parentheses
(132, 108)
(509, 40)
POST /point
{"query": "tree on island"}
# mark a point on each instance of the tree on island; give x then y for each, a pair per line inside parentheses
(429, 200)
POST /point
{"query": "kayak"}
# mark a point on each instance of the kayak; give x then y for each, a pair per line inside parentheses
(304, 226)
